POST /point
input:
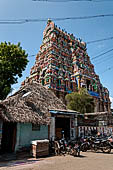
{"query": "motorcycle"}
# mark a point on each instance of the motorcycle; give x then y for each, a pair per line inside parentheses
(73, 148)
(110, 140)
(84, 145)
(63, 145)
(101, 144)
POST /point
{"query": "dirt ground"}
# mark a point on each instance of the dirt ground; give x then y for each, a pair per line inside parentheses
(87, 161)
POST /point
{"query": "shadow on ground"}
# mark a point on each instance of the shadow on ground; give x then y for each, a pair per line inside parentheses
(12, 159)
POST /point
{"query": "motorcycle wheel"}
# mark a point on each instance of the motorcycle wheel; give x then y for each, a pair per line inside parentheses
(95, 149)
(84, 148)
(79, 153)
(68, 151)
(75, 153)
(106, 149)
(71, 151)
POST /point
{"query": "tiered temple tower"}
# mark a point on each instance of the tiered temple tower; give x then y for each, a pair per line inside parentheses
(63, 65)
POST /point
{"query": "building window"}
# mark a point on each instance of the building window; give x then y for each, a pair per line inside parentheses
(35, 127)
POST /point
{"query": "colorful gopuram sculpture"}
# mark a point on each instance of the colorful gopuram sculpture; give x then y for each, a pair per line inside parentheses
(63, 65)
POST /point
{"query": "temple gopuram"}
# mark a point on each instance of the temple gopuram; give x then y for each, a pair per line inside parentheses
(63, 65)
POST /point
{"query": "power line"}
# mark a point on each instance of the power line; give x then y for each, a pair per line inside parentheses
(59, 1)
(102, 54)
(23, 21)
(95, 41)
(19, 21)
(103, 60)
(71, 0)
(33, 55)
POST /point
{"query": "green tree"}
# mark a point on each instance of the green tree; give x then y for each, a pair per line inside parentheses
(13, 60)
(80, 101)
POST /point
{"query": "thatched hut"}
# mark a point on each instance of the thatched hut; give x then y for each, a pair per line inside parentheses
(25, 115)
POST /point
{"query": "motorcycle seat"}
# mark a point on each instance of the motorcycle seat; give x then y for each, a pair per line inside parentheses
(97, 142)
(104, 141)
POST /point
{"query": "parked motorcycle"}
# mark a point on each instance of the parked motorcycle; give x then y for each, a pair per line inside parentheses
(101, 144)
(73, 148)
(63, 145)
(110, 140)
(84, 145)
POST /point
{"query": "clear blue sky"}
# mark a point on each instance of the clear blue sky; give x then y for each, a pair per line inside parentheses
(30, 34)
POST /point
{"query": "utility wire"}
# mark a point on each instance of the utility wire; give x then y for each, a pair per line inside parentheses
(106, 59)
(60, 1)
(19, 21)
(102, 54)
(71, 0)
(33, 55)
(95, 41)
(23, 21)
(103, 60)
(100, 59)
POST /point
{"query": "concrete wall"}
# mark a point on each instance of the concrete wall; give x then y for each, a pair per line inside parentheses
(25, 134)
(72, 128)
(52, 128)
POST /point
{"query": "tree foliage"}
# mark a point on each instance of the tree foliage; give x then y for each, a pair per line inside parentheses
(13, 60)
(80, 101)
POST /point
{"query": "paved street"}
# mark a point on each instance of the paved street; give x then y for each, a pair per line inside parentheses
(87, 161)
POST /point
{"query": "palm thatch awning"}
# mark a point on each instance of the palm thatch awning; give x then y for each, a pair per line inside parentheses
(96, 113)
(30, 104)
(99, 116)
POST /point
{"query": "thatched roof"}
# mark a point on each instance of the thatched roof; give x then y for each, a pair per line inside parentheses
(30, 104)
(96, 113)
(103, 116)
